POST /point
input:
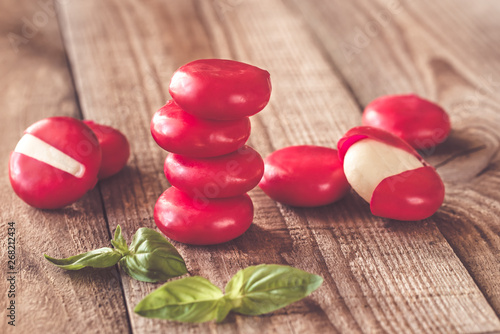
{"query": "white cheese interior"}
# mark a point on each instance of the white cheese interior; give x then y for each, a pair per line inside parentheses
(36, 148)
(368, 162)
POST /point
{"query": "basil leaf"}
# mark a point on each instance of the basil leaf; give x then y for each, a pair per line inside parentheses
(152, 258)
(261, 289)
(119, 242)
(99, 258)
(190, 299)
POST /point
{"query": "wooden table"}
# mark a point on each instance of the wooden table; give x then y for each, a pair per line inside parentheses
(111, 61)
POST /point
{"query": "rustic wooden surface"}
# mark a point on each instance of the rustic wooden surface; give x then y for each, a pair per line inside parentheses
(111, 61)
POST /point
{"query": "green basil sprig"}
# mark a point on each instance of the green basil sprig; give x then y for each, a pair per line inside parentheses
(150, 257)
(98, 258)
(252, 291)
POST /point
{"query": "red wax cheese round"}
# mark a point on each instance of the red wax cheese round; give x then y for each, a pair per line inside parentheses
(179, 132)
(419, 122)
(201, 221)
(55, 163)
(114, 146)
(390, 175)
(220, 89)
(224, 176)
(304, 176)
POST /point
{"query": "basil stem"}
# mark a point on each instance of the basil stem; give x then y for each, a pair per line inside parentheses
(252, 291)
(150, 257)
(99, 258)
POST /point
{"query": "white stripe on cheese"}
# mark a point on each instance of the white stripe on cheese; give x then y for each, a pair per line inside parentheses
(36, 148)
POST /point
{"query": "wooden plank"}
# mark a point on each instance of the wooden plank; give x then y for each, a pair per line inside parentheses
(391, 47)
(380, 276)
(35, 84)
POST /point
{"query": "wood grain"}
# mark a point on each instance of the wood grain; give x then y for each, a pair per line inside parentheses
(35, 84)
(380, 275)
(452, 61)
